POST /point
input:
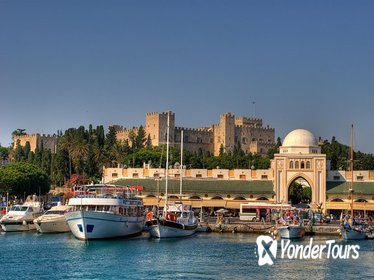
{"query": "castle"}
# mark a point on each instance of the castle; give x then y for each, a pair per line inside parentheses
(36, 140)
(231, 130)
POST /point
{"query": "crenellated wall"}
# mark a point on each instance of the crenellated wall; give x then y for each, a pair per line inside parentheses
(249, 132)
(36, 140)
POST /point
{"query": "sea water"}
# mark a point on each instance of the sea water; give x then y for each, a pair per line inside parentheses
(203, 256)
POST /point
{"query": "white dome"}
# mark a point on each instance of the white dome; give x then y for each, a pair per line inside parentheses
(300, 138)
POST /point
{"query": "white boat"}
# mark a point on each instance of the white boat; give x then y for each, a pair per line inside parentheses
(177, 220)
(105, 211)
(350, 229)
(352, 233)
(21, 217)
(53, 220)
(291, 231)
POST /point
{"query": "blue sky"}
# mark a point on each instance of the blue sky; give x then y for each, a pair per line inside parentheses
(305, 64)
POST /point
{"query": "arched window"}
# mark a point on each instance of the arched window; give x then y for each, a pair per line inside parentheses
(296, 164)
(302, 165)
(308, 164)
(291, 164)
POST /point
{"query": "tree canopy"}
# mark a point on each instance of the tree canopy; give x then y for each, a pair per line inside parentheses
(22, 178)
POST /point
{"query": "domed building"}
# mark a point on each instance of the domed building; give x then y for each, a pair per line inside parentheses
(300, 160)
(300, 141)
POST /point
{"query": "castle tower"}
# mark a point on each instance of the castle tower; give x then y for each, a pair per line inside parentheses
(156, 127)
(224, 133)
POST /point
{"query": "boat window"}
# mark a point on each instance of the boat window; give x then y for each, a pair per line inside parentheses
(100, 208)
(106, 208)
(25, 208)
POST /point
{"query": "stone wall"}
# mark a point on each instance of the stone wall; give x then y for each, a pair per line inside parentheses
(37, 140)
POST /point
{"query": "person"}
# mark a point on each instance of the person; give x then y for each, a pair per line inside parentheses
(3, 211)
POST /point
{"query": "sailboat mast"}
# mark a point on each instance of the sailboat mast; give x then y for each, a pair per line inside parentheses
(167, 161)
(181, 169)
(351, 168)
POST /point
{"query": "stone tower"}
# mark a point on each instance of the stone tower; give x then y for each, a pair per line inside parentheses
(224, 133)
(156, 127)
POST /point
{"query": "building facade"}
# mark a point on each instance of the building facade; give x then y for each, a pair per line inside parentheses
(299, 159)
(249, 133)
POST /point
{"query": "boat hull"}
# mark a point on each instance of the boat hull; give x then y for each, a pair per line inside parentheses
(18, 226)
(169, 229)
(53, 226)
(291, 232)
(103, 225)
(351, 234)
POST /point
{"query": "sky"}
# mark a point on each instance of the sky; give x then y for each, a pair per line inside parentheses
(295, 64)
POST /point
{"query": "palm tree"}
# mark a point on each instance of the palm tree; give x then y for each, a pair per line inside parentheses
(66, 142)
(79, 153)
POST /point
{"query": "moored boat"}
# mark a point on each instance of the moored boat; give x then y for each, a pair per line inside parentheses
(53, 221)
(178, 221)
(105, 211)
(355, 230)
(290, 226)
(350, 228)
(21, 217)
(291, 231)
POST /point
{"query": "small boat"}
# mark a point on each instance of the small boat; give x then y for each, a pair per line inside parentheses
(53, 221)
(105, 211)
(21, 217)
(355, 230)
(352, 229)
(291, 231)
(177, 219)
(290, 227)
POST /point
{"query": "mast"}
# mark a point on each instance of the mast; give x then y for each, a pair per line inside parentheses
(167, 162)
(351, 168)
(181, 169)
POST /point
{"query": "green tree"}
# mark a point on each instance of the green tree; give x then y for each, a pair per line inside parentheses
(18, 152)
(4, 153)
(26, 150)
(23, 178)
(19, 132)
(140, 139)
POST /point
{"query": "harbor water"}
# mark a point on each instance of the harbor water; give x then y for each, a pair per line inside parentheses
(203, 256)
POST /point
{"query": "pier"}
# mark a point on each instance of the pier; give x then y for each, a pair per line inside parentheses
(267, 228)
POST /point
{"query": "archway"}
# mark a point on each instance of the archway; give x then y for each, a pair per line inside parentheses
(299, 191)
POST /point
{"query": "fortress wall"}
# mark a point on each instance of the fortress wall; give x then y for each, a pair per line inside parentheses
(37, 140)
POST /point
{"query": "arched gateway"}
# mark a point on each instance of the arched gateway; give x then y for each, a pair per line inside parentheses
(300, 158)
